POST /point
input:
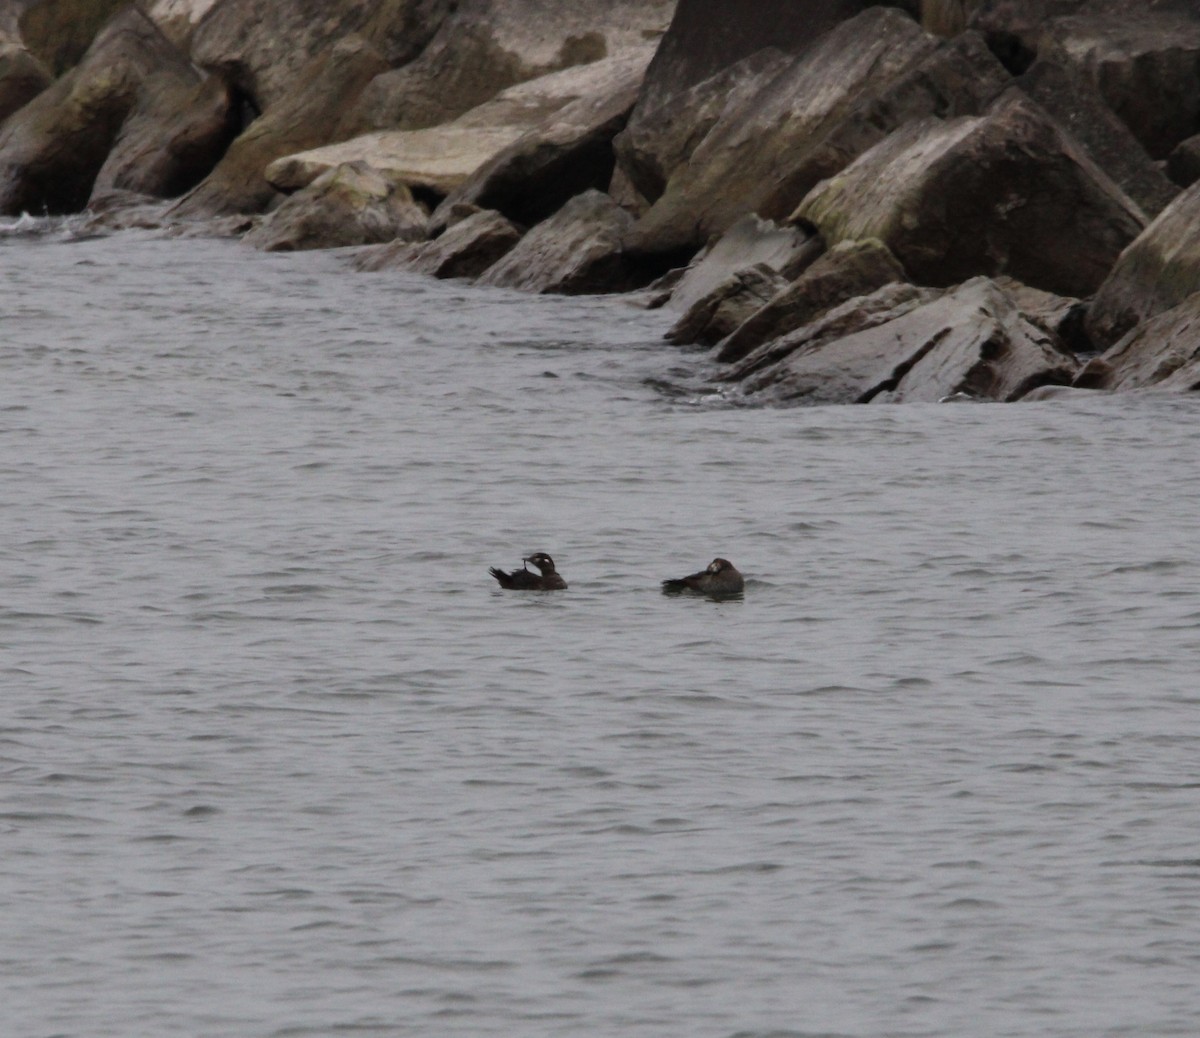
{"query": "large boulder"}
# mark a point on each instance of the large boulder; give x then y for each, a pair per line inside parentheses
(564, 155)
(59, 32)
(174, 136)
(349, 205)
(576, 250)
(1163, 353)
(303, 120)
(465, 250)
(848, 270)
(22, 77)
(267, 50)
(715, 315)
(485, 46)
(1158, 271)
(904, 344)
(1146, 67)
(1075, 102)
(775, 140)
(1005, 192)
(439, 159)
(53, 148)
(1183, 164)
(178, 18)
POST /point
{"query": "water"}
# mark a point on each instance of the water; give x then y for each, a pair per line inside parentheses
(279, 759)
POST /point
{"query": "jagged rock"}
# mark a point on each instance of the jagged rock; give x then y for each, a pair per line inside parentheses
(349, 205)
(970, 340)
(439, 159)
(1157, 272)
(768, 146)
(302, 120)
(22, 77)
(1005, 192)
(1075, 102)
(52, 149)
(267, 50)
(486, 46)
(563, 156)
(1183, 164)
(749, 242)
(466, 249)
(178, 18)
(1146, 67)
(576, 250)
(1163, 353)
(1060, 316)
(848, 270)
(716, 314)
(176, 133)
(59, 32)
(857, 315)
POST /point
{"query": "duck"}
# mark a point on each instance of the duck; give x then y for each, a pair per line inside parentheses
(548, 579)
(720, 578)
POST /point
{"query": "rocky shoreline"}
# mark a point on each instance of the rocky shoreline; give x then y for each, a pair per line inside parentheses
(845, 202)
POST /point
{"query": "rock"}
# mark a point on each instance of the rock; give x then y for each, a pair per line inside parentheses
(1146, 67)
(438, 160)
(577, 250)
(176, 133)
(302, 120)
(1183, 164)
(1005, 192)
(970, 340)
(1157, 272)
(349, 205)
(857, 315)
(178, 18)
(59, 32)
(52, 149)
(486, 46)
(267, 51)
(848, 270)
(1075, 102)
(715, 315)
(119, 210)
(466, 249)
(564, 155)
(1163, 353)
(749, 242)
(1060, 316)
(767, 148)
(22, 77)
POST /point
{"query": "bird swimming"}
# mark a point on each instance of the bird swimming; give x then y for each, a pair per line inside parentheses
(547, 579)
(720, 578)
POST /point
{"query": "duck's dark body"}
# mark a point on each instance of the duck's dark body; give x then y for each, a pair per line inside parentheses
(720, 578)
(522, 580)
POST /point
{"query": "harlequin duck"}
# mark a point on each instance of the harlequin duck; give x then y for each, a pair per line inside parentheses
(721, 578)
(523, 580)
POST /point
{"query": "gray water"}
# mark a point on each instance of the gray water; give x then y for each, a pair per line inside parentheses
(279, 759)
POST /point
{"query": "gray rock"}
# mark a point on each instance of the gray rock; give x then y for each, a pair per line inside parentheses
(970, 341)
(565, 155)
(465, 250)
(1157, 272)
(576, 250)
(300, 120)
(768, 146)
(59, 33)
(1076, 103)
(22, 77)
(350, 205)
(1005, 192)
(848, 270)
(715, 315)
(1163, 353)
(53, 148)
(748, 243)
(485, 46)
